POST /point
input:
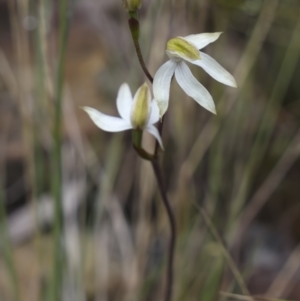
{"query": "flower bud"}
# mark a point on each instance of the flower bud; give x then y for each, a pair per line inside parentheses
(141, 107)
(178, 47)
(132, 5)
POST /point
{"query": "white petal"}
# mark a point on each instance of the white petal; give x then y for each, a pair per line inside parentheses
(215, 70)
(154, 131)
(154, 115)
(202, 39)
(193, 88)
(124, 101)
(107, 123)
(161, 85)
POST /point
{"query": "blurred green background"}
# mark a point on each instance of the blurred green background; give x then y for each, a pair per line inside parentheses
(233, 179)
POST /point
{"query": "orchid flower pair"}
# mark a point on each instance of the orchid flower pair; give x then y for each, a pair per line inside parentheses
(140, 112)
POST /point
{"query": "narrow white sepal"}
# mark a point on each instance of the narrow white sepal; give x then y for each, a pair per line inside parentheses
(161, 85)
(202, 39)
(193, 88)
(124, 101)
(215, 70)
(106, 122)
(154, 131)
(154, 114)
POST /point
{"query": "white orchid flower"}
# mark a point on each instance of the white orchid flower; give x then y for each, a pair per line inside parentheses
(139, 113)
(179, 50)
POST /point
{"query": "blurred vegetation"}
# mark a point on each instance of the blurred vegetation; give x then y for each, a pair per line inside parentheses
(233, 179)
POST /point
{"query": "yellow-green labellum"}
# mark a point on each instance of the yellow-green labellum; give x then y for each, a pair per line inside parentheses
(179, 47)
(141, 107)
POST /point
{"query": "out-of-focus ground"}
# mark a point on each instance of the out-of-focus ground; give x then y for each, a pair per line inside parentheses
(242, 166)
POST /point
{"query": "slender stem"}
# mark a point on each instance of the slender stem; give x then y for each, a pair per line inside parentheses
(135, 31)
(143, 153)
(141, 60)
(171, 250)
(137, 136)
(159, 178)
(149, 76)
(162, 190)
(134, 26)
